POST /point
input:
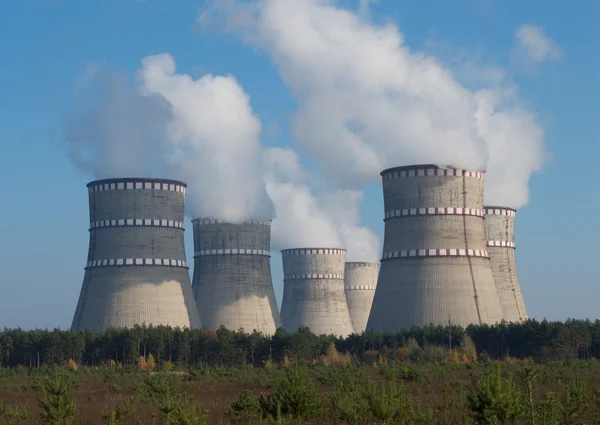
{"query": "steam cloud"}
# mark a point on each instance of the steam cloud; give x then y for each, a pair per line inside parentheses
(216, 141)
(367, 102)
(200, 131)
(204, 132)
(329, 219)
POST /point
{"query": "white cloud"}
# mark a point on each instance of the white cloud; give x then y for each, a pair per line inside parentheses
(367, 102)
(205, 133)
(365, 5)
(534, 47)
(216, 138)
(113, 131)
(328, 219)
(200, 131)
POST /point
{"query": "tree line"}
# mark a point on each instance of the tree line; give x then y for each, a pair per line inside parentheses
(538, 340)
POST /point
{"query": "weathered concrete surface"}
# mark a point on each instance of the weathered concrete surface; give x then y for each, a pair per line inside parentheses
(417, 286)
(360, 281)
(500, 236)
(119, 288)
(232, 276)
(313, 292)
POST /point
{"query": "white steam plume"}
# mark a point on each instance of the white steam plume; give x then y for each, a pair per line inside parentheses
(327, 220)
(113, 131)
(216, 140)
(200, 131)
(367, 102)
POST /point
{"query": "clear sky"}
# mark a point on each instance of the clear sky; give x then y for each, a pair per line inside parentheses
(48, 45)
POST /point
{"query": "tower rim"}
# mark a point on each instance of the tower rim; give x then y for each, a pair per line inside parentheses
(498, 207)
(311, 247)
(423, 167)
(221, 221)
(135, 179)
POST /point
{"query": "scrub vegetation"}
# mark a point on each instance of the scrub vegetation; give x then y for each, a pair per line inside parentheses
(424, 376)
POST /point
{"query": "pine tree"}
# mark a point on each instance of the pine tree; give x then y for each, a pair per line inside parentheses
(57, 403)
(495, 400)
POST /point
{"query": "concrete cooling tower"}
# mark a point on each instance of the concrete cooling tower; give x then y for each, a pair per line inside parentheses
(360, 281)
(500, 236)
(232, 276)
(435, 268)
(313, 291)
(136, 269)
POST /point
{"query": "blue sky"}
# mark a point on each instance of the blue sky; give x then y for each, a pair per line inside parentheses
(47, 45)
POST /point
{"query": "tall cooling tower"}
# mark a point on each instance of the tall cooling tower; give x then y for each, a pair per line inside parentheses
(313, 291)
(232, 276)
(360, 281)
(500, 235)
(136, 269)
(435, 268)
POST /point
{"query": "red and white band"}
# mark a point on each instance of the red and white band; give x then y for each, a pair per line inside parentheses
(500, 211)
(232, 251)
(428, 172)
(136, 222)
(433, 211)
(121, 262)
(359, 265)
(435, 253)
(313, 276)
(136, 185)
(313, 251)
(359, 288)
(201, 221)
(506, 244)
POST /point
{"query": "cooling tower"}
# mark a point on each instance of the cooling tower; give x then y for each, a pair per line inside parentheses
(500, 236)
(232, 276)
(313, 291)
(435, 268)
(136, 269)
(360, 280)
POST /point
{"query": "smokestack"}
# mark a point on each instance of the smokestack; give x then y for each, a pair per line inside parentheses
(313, 291)
(435, 268)
(136, 270)
(360, 281)
(500, 236)
(232, 275)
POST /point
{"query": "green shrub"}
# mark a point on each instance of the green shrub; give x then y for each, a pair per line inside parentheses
(296, 396)
(57, 401)
(494, 400)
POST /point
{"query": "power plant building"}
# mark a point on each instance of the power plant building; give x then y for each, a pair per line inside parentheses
(500, 236)
(232, 276)
(136, 271)
(313, 292)
(360, 281)
(435, 268)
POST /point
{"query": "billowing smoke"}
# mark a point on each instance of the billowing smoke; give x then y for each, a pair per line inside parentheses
(367, 102)
(204, 132)
(216, 141)
(200, 131)
(113, 131)
(328, 219)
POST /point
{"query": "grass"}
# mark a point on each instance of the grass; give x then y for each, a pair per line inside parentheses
(322, 393)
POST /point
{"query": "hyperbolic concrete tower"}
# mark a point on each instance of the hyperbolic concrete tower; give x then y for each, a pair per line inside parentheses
(500, 236)
(435, 268)
(136, 270)
(313, 291)
(360, 281)
(232, 276)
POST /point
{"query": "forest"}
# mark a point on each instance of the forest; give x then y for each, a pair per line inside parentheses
(540, 341)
